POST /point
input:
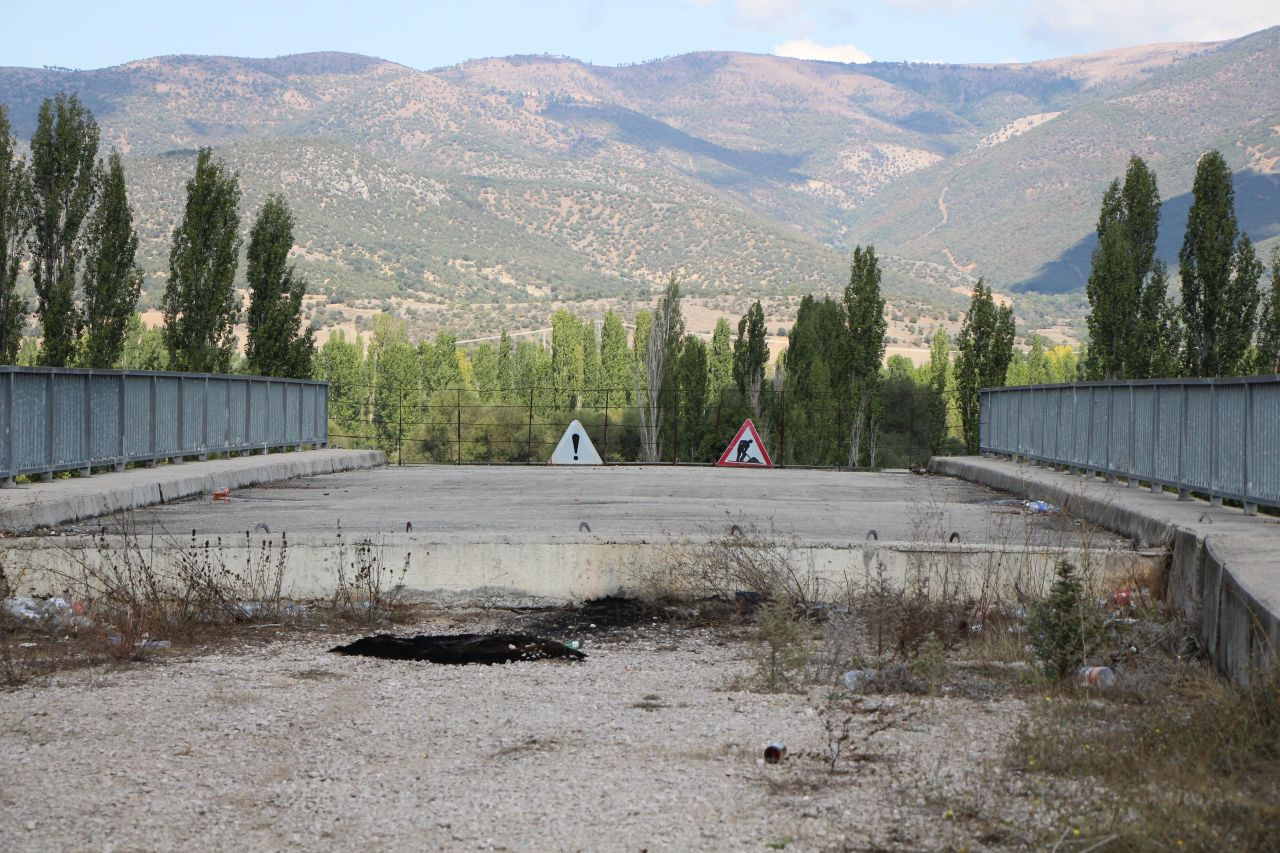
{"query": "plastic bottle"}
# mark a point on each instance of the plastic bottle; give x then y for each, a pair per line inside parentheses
(1097, 676)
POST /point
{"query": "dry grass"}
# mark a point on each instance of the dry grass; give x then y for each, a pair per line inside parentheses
(1175, 758)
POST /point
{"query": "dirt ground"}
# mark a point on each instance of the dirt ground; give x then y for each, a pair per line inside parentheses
(650, 744)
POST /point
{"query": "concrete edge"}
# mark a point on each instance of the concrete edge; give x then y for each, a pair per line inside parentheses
(50, 509)
(1236, 631)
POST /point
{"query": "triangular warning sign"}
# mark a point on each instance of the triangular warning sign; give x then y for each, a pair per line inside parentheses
(575, 448)
(746, 450)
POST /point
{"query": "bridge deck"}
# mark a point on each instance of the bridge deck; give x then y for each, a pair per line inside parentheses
(540, 504)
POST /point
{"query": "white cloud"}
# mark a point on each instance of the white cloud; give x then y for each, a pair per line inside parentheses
(809, 49)
(1145, 21)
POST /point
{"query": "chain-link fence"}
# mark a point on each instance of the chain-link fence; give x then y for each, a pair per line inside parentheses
(523, 425)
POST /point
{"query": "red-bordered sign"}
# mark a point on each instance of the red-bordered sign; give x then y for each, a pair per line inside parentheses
(746, 450)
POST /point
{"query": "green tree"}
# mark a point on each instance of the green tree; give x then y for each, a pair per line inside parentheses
(568, 359)
(817, 380)
(1219, 273)
(200, 305)
(143, 347)
(864, 310)
(484, 372)
(750, 355)
(617, 365)
(939, 366)
(1112, 290)
(592, 368)
(397, 389)
(341, 363)
(112, 277)
(1267, 357)
(276, 344)
(440, 368)
(985, 348)
(63, 151)
(15, 224)
(721, 357)
(691, 378)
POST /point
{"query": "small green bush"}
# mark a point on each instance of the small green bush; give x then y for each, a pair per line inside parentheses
(1065, 629)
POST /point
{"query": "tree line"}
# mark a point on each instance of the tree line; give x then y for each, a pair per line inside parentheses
(1226, 321)
(65, 218)
(664, 394)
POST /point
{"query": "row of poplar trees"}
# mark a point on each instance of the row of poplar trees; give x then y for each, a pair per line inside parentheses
(1223, 325)
(65, 218)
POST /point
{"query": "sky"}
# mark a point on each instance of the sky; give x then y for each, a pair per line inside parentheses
(91, 34)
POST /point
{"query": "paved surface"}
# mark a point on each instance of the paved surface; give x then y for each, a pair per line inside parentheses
(1225, 574)
(32, 505)
(541, 504)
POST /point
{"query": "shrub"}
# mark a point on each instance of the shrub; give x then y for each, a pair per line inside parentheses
(1064, 629)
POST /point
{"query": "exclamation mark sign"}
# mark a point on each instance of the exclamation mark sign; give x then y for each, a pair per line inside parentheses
(575, 447)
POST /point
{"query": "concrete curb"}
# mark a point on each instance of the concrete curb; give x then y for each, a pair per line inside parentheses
(1222, 575)
(25, 508)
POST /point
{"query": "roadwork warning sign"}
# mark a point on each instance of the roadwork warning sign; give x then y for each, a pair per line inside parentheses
(746, 450)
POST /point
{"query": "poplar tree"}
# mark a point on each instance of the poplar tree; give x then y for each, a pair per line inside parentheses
(112, 277)
(1267, 357)
(985, 348)
(750, 355)
(275, 343)
(864, 310)
(1112, 290)
(720, 358)
(63, 153)
(200, 304)
(691, 378)
(1220, 272)
(939, 366)
(15, 224)
(616, 362)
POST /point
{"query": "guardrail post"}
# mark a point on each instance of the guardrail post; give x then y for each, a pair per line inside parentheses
(204, 422)
(120, 422)
(182, 423)
(46, 476)
(7, 479)
(1133, 443)
(1184, 494)
(86, 417)
(1155, 438)
(1215, 499)
(1250, 508)
(151, 426)
(604, 447)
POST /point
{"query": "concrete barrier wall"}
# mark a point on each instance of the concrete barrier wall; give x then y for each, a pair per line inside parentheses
(1222, 571)
(554, 570)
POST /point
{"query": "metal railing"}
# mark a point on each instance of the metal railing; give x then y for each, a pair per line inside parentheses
(54, 419)
(1218, 437)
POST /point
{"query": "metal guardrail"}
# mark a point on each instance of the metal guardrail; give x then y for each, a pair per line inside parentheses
(54, 419)
(1219, 437)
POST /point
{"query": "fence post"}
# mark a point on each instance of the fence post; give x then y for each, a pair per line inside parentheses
(7, 479)
(604, 455)
(399, 428)
(1215, 499)
(48, 424)
(1184, 494)
(204, 422)
(151, 427)
(1250, 508)
(529, 446)
(87, 436)
(675, 429)
(1155, 438)
(459, 432)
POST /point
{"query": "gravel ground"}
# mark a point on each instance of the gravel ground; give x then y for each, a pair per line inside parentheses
(646, 745)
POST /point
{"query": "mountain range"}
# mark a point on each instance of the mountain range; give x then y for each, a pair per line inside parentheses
(480, 195)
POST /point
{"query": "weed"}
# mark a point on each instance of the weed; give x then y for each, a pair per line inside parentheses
(930, 665)
(781, 648)
(368, 589)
